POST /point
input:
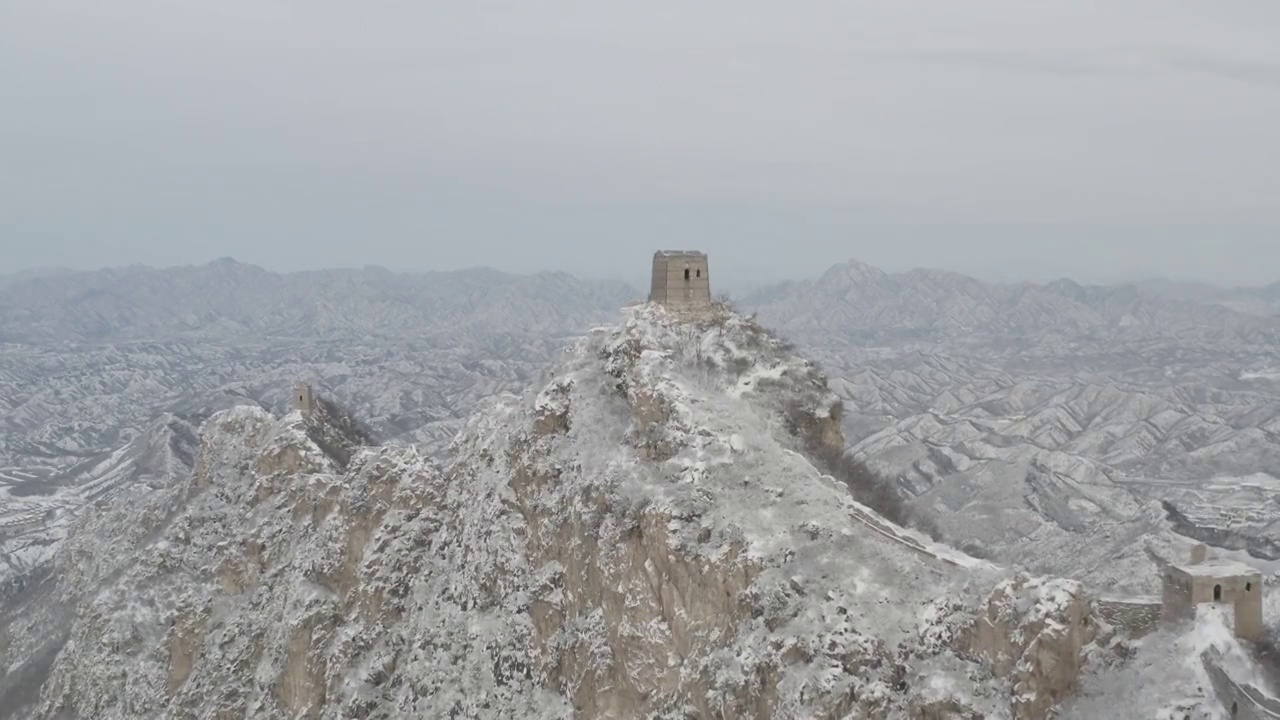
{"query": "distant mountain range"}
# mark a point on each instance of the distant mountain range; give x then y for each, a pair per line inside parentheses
(229, 298)
(857, 298)
(226, 298)
(1262, 300)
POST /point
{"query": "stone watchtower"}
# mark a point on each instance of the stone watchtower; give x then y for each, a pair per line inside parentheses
(1203, 581)
(304, 400)
(680, 279)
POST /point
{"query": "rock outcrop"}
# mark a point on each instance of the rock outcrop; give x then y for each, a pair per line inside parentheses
(1035, 633)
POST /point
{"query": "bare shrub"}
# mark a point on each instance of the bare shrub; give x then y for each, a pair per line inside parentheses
(878, 492)
(689, 344)
(337, 431)
(868, 487)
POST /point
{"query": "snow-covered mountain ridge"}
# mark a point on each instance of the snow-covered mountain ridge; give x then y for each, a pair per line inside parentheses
(1044, 424)
(96, 361)
(89, 359)
(641, 534)
(36, 513)
(949, 382)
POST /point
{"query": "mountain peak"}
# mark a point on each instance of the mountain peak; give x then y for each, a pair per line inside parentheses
(229, 265)
(853, 270)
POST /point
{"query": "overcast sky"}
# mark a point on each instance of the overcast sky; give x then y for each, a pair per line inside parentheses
(1003, 138)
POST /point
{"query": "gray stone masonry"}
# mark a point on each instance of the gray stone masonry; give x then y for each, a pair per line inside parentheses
(681, 279)
(1136, 617)
(1242, 701)
(1204, 581)
(303, 399)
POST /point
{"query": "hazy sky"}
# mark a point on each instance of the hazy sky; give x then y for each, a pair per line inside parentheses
(1003, 138)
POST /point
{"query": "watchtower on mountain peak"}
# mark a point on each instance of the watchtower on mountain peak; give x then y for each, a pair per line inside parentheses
(680, 279)
(304, 399)
(1204, 581)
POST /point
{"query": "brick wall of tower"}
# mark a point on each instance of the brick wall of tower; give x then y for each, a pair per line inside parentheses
(1184, 592)
(658, 281)
(680, 280)
(303, 399)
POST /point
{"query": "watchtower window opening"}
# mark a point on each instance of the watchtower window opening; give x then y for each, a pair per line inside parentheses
(1248, 587)
(686, 273)
(1217, 593)
(699, 273)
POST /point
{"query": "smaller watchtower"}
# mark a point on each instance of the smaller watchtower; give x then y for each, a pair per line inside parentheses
(680, 279)
(304, 400)
(1203, 581)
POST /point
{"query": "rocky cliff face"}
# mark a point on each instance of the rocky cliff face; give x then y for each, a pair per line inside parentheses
(1034, 632)
(286, 583)
(642, 534)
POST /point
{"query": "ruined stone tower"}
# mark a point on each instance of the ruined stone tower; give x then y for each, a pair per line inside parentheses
(680, 279)
(303, 399)
(1204, 581)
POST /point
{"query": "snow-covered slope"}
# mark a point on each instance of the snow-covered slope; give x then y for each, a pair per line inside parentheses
(1045, 424)
(96, 360)
(644, 533)
(36, 512)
